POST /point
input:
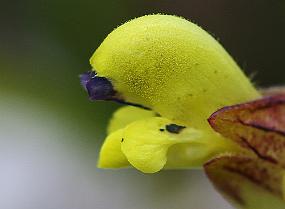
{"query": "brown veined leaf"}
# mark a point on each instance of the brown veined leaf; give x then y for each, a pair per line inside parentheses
(258, 125)
(247, 182)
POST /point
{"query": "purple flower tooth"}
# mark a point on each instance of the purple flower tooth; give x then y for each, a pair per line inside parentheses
(100, 88)
(85, 77)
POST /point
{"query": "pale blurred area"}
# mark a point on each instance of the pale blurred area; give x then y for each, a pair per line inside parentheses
(50, 134)
(45, 165)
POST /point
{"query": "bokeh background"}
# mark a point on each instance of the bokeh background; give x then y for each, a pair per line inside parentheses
(50, 133)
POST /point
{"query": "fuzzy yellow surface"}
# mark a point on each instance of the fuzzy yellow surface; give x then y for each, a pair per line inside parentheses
(172, 66)
(111, 155)
(145, 137)
(182, 73)
(125, 115)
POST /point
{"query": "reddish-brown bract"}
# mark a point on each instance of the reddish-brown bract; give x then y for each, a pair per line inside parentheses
(259, 127)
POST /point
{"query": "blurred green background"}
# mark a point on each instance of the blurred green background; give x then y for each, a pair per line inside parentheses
(50, 133)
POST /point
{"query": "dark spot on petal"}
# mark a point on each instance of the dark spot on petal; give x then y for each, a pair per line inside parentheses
(161, 129)
(173, 128)
(157, 115)
(122, 139)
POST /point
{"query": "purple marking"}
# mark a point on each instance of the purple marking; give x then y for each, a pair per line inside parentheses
(98, 88)
(85, 77)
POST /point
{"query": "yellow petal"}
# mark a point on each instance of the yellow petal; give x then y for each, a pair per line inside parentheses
(146, 144)
(126, 115)
(111, 155)
(197, 152)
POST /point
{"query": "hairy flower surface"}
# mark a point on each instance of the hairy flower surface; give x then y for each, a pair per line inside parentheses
(181, 74)
(174, 75)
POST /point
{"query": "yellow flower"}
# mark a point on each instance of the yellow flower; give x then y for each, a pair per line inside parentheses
(177, 75)
(189, 106)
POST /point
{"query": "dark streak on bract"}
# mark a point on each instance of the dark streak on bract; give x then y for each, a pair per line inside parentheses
(268, 158)
(173, 128)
